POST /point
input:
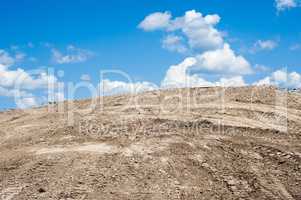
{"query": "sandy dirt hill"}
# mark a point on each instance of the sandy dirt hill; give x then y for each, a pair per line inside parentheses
(198, 143)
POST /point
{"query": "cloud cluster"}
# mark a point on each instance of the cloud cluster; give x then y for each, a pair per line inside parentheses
(20, 83)
(72, 55)
(211, 60)
(282, 78)
(213, 57)
(196, 32)
(200, 30)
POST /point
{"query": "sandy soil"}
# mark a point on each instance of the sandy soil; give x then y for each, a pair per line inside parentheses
(198, 143)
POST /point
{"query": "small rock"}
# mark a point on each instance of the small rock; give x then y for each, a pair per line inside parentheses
(41, 190)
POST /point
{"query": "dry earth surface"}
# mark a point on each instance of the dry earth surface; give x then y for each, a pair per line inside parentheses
(198, 143)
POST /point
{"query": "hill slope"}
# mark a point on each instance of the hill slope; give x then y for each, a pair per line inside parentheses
(199, 143)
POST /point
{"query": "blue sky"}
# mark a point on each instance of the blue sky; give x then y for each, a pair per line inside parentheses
(83, 37)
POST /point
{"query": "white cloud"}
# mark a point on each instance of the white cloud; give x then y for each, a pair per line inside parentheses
(26, 102)
(5, 59)
(174, 43)
(155, 21)
(265, 45)
(286, 4)
(199, 29)
(178, 76)
(23, 80)
(108, 87)
(16, 83)
(222, 61)
(72, 55)
(282, 78)
(216, 57)
(85, 77)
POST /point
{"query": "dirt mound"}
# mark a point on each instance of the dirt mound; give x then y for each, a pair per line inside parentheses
(197, 143)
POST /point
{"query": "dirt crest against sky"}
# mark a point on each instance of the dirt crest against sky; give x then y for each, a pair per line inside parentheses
(197, 143)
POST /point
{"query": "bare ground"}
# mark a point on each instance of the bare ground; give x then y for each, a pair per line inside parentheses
(199, 143)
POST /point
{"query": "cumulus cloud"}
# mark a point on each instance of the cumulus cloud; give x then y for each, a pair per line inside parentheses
(219, 62)
(193, 31)
(286, 4)
(282, 78)
(200, 30)
(223, 61)
(155, 21)
(178, 76)
(72, 55)
(23, 80)
(108, 87)
(17, 83)
(201, 34)
(174, 43)
(198, 33)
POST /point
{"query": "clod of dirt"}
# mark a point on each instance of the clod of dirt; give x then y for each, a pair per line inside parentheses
(41, 190)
